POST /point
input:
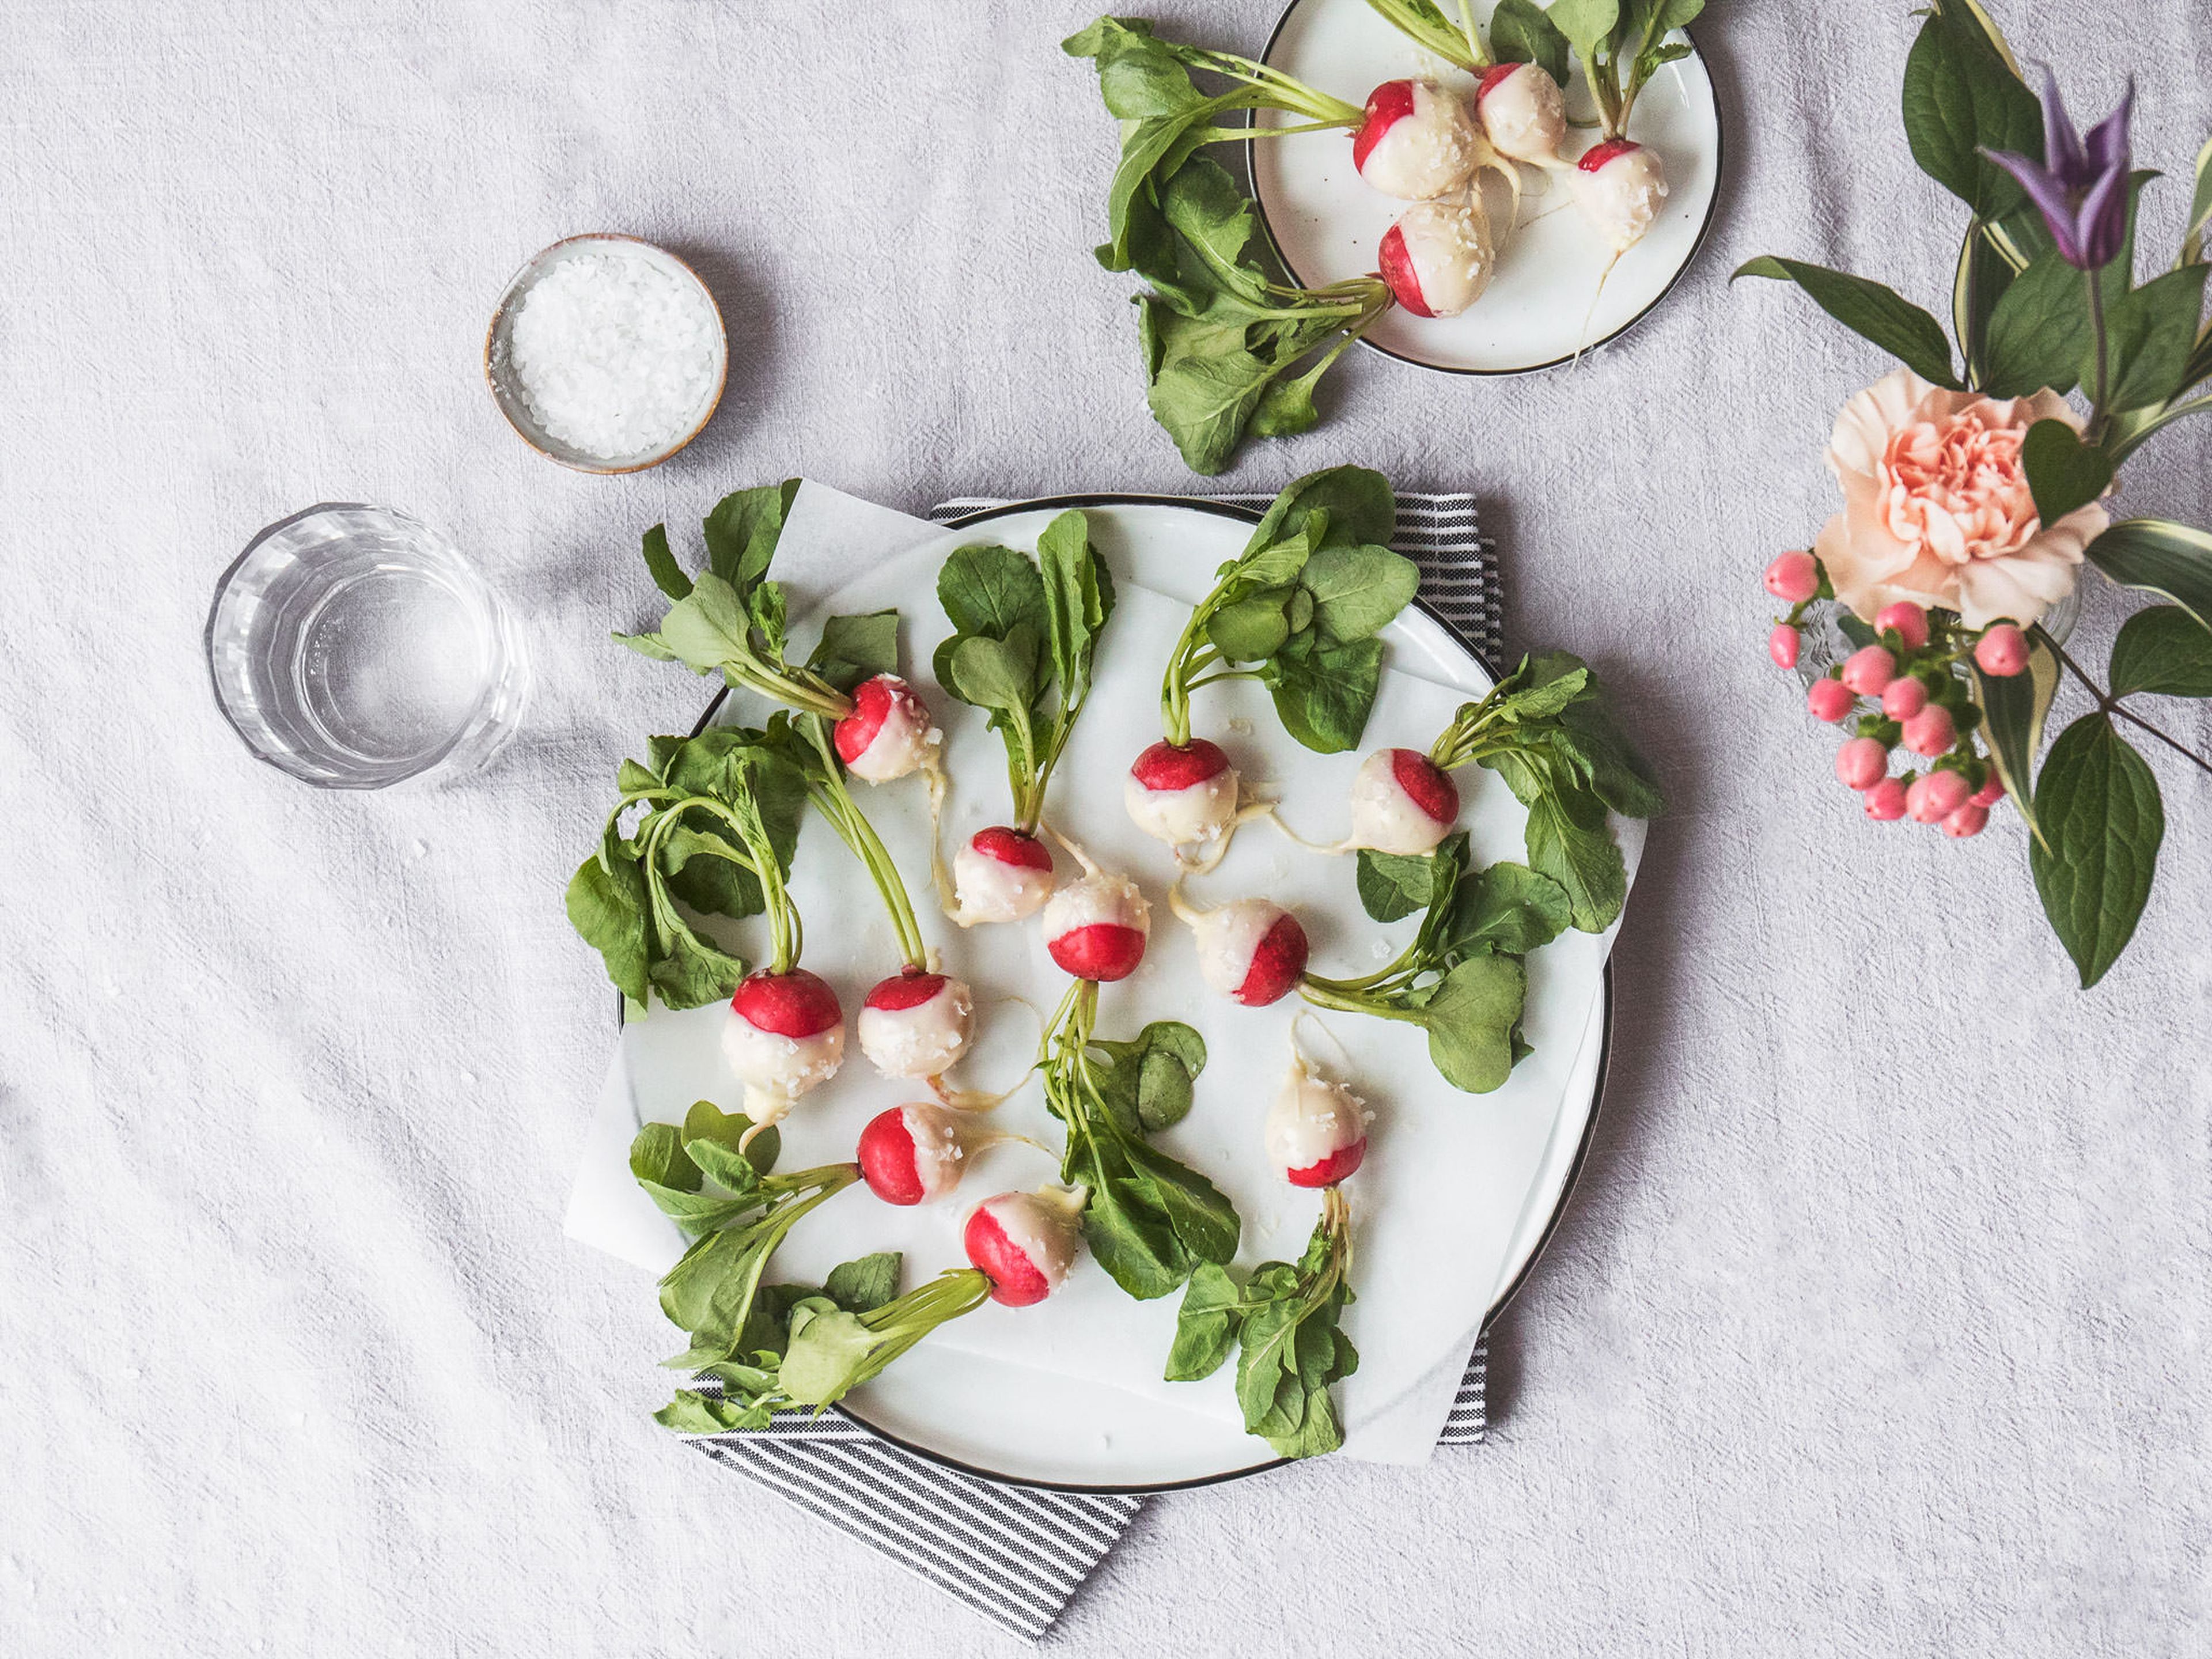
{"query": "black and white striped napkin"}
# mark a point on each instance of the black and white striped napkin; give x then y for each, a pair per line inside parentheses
(1017, 1555)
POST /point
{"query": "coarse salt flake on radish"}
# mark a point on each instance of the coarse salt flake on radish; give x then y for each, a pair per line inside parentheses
(1181, 793)
(1619, 186)
(1438, 257)
(1001, 875)
(889, 734)
(1316, 1130)
(1415, 141)
(914, 1154)
(1402, 802)
(1252, 949)
(785, 1036)
(1096, 926)
(916, 1023)
(1025, 1242)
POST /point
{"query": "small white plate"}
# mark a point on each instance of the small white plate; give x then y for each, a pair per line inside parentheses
(1327, 222)
(499, 359)
(1037, 1403)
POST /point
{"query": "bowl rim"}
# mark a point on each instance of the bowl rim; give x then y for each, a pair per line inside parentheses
(516, 286)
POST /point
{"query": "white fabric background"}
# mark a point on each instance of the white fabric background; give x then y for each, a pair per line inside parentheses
(1879, 1324)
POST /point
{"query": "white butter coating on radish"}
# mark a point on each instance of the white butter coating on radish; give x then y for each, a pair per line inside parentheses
(1044, 1233)
(1523, 113)
(1312, 1122)
(777, 1069)
(1447, 249)
(1228, 938)
(1385, 814)
(920, 1039)
(1427, 143)
(1198, 813)
(1620, 186)
(990, 889)
(889, 734)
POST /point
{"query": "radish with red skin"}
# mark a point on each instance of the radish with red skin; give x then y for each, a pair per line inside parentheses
(1523, 113)
(917, 1023)
(1183, 793)
(916, 1154)
(1001, 875)
(1416, 141)
(1251, 950)
(1316, 1130)
(786, 1035)
(888, 734)
(1025, 1242)
(1439, 256)
(1402, 802)
(1618, 185)
(1097, 926)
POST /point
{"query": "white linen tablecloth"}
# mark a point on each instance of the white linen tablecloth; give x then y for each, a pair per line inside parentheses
(1878, 1326)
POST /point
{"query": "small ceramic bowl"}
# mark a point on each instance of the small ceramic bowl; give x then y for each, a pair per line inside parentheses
(507, 391)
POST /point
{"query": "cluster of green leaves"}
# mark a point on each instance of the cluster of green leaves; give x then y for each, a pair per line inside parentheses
(1546, 730)
(1282, 1323)
(1299, 610)
(1230, 346)
(1622, 43)
(1151, 1220)
(1460, 978)
(834, 1349)
(737, 1211)
(2141, 353)
(730, 618)
(716, 824)
(1025, 633)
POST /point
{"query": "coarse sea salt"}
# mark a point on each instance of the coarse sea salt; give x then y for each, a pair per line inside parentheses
(614, 354)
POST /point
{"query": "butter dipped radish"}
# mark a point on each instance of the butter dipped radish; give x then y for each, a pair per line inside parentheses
(1619, 185)
(889, 734)
(785, 1037)
(1000, 875)
(916, 1154)
(1183, 793)
(1316, 1130)
(1438, 257)
(1025, 1242)
(1402, 802)
(1416, 141)
(1523, 111)
(1096, 927)
(1251, 950)
(917, 1023)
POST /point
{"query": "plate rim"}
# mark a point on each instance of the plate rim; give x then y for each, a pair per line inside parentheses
(1097, 1489)
(1697, 243)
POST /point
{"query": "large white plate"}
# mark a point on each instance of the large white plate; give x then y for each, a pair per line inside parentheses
(967, 1397)
(1327, 222)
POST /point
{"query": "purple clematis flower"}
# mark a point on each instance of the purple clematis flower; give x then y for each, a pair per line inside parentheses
(2082, 188)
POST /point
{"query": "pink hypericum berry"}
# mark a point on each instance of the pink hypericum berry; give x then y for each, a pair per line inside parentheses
(1793, 578)
(1967, 821)
(1909, 621)
(1782, 646)
(1829, 700)
(1936, 797)
(1869, 670)
(1930, 732)
(2001, 652)
(1901, 699)
(1885, 802)
(1989, 794)
(1861, 762)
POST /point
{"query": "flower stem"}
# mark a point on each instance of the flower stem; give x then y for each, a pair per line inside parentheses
(2098, 419)
(2109, 704)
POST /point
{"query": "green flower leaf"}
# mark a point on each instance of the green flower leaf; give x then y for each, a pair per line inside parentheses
(1393, 885)
(1962, 96)
(2102, 821)
(2160, 556)
(2151, 331)
(2039, 332)
(1870, 310)
(2063, 472)
(2164, 651)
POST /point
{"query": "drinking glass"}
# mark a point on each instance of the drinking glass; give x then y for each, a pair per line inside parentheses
(353, 647)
